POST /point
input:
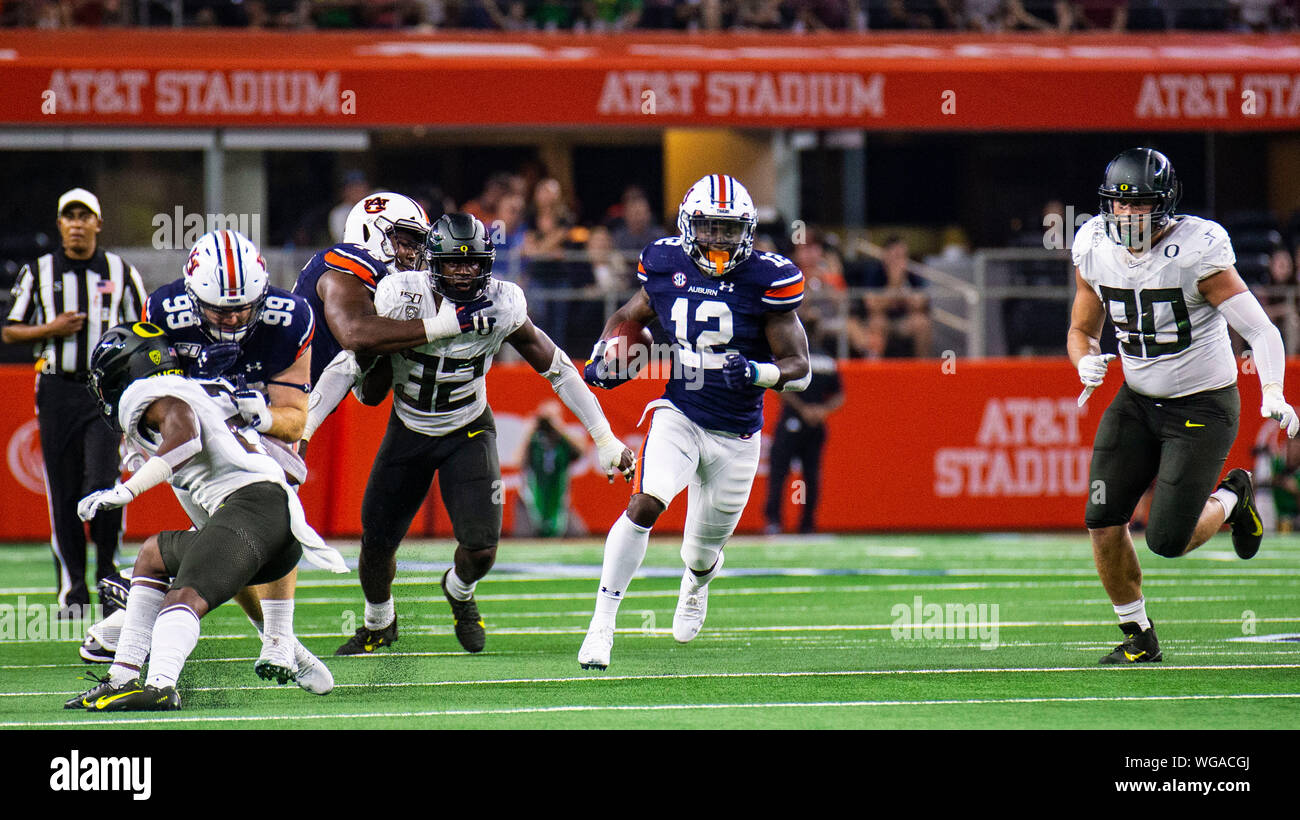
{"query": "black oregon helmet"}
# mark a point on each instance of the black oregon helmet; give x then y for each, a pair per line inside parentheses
(126, 353)
(459, 236)
(1139, 175)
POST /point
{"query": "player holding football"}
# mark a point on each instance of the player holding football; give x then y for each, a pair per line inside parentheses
(225, 320)
(731, 314)
(1168, 283)
(254, 531)
(441, 422)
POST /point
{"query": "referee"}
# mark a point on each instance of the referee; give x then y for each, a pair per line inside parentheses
(62, 303)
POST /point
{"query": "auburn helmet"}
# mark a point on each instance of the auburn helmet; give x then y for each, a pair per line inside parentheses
(457, 237)
(717, 219)
(1139, 176)
(373, 220)
(226, 279)
(126, 353)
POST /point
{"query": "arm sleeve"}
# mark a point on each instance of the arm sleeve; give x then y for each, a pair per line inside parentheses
(1247, 317)
(335, 381)
(568, 385)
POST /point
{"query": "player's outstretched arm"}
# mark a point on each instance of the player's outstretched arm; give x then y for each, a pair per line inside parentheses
(1227, 292)
(352, 319)
(179, 429)
(552, 363)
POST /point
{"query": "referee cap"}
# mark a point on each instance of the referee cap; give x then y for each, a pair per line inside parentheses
(82, 196)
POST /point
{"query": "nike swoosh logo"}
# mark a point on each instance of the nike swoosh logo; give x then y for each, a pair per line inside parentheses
(475, 433)
(1190, 423)
(104, 700)
(1135, 657)
(1259, 526)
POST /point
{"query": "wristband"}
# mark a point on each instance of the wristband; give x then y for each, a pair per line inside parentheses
(766, 374)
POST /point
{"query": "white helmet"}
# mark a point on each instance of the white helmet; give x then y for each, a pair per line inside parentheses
(372, 220)
(717, 219)
(226, 279)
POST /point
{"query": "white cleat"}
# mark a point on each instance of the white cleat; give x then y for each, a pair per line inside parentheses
(313, 674)
(596, 647)
(692, 607)
(277, 661)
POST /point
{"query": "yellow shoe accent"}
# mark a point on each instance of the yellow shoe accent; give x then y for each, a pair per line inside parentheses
(475, 433)
(1259, 526)
(1135, 657)
(105, 700)
(1190, 423)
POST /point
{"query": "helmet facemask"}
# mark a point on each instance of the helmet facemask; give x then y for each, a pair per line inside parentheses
(459, 238)
(718, 243)
(1145, 180)
(230, 322)
(125, 354)
(401, 243)
(460, 278)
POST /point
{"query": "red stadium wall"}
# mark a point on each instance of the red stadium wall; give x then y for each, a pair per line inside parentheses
(978, 445)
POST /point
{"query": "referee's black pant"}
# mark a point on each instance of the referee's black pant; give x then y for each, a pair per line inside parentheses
(795, 440)
(81, 456)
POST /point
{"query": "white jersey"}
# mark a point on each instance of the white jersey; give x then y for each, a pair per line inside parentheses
(1172, 341)
(224, 464)
(439, 387)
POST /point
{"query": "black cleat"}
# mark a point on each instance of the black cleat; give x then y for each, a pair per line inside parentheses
(1140, 646)
(469, 623)
(86, 700)
(368, 640)
(136, 698)
(1247, 529)
(92, 651)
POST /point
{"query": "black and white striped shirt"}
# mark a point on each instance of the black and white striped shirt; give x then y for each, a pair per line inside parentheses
(104, 287)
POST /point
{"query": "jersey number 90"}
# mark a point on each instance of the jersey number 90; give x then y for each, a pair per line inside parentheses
(1139, 326)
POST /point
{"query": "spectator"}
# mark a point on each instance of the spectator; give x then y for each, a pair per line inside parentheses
(610, 15)
(1260, 15)
(897, 312)
(552, 15)
(1039, 15)
(1279, 297)
(638, 227)
(761, 14)
(609, 268)
(984, 15)
(355, 186)
(547, 455)
(507, 232)
(485, 205)
(825, 292)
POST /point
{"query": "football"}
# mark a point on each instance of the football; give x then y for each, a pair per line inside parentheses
(628, 348)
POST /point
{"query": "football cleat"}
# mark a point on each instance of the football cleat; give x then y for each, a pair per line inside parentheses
(86, 700)
(596, 647)
(1140, 646)
(313, 675)
(368, 640)
(1247, 529)
(470, 630)
(136, 698)
(277, 661)
(93, 651)
(692, 604)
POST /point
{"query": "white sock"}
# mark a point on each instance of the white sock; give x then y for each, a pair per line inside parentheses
(109, 631)
(1227, 498)
(279, 619)
(378, 616)
(260, 626)
(702, 578)
(624, 551)
(1135, 612)
(457, 588)
(174, 639)
(142, 605)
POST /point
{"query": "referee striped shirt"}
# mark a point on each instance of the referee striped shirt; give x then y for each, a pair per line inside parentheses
(104, 287)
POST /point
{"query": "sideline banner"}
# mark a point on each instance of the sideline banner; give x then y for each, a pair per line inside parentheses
(919, 446)
(874, 81)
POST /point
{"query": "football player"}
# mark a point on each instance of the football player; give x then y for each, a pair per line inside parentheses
(731, 315)
(225, 320)
(254, 531)
(441, 422)
(1168, 284)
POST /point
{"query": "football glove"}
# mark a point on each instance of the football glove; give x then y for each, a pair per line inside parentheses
(470, 318)
(111, 499)
(252, 406)
(1274, 406)
(114, 589)
(597, 371)
(738, 372)
(1092, 369)
(609, 452)
(215, 360)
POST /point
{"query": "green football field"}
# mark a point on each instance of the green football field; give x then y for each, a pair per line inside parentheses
(849, 632)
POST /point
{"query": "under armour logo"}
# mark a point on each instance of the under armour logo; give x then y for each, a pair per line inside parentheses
(607, 592)
(727, 286)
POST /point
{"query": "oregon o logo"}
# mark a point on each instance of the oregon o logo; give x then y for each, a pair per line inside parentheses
(25, 460)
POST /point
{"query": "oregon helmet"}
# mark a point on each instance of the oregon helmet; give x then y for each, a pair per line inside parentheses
(126, 353)
(1139, 176)
(459, 238)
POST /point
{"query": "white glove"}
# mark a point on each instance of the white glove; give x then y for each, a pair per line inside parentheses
(90, 506)
(609, 453)
(252, 406)
(1274, 406)
(1092, 369)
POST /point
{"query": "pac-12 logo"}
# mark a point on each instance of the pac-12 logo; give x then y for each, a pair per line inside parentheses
(375, 204)
(679, 279)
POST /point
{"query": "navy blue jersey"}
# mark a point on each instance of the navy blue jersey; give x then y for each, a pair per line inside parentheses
(708, 317)
(282, 334)
(345, 258)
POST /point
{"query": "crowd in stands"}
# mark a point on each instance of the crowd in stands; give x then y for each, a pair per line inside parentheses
(689, 15)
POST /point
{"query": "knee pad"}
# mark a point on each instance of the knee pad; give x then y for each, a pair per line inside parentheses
(1167, 545)
(700, 556)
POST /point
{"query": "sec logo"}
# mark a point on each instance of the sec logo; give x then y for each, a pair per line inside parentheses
(25, 459)
(679, 279)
